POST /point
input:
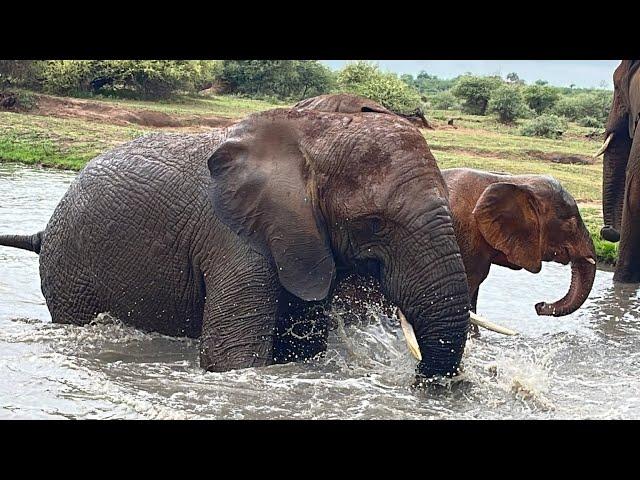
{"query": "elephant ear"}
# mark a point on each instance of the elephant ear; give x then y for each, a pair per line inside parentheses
(263, 189)
(507, 216)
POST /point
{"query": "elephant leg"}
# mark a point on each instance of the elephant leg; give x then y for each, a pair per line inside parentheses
(239, 317)
(628, 264)
(302, 333)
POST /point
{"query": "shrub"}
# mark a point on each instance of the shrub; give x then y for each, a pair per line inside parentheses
(540, 98)
(507, 102)
(546, 125)
(69, 76)
(475, 92)
(590, 122)
(20, 73)
(444, 101)
(145, 78)
(366, 79)
(594, 104)
(282, 79)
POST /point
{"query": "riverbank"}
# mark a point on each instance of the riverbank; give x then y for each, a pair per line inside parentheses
(61, 132)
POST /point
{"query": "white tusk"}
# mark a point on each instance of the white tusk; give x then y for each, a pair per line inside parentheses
(590, 260)
(483, 322)
(604, 146)
(409, 336)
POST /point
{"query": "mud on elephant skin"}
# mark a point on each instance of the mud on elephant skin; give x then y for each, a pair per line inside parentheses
(519, 221)
(220, 235)
(621, 172)
(350, 103)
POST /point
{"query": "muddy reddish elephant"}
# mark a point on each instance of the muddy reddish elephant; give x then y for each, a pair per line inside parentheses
(350, 103)
(621, 172)
(519, 221)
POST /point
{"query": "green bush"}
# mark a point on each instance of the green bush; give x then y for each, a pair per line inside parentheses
(507, 102)
(475, 92)
(540, 98)
(144, 78)
(282, 79)
(20, 73)
(590, 122)
(546, 125)
(594, 104)
(444, 101)
(69, 76)
(366, 79)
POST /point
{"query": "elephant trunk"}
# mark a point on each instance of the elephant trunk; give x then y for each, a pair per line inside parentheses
(613, 183)
(583, 272)
(426, 280)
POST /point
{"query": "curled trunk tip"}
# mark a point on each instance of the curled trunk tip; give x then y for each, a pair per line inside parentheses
(583, 272)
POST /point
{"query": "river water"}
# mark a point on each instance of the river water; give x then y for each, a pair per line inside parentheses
(585, 365)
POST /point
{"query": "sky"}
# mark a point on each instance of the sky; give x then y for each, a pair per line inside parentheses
(561, 73)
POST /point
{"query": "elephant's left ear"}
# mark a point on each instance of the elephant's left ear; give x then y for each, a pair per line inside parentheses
(263, 189)
(507, 216)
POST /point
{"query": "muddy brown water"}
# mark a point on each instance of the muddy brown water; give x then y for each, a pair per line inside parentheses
(585, 365)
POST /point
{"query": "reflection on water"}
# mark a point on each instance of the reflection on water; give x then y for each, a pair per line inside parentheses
(581, 366)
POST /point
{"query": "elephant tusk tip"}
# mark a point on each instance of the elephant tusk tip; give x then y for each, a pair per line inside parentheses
(410, 336)
(483, 322)
(604, 146)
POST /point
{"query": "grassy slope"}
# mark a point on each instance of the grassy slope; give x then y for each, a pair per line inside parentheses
(478, 142)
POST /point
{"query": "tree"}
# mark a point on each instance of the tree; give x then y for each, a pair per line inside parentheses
(540, 98)
(475, 92)
(284, 79)
(513, 77)
(366, 79)
(507, 102)
(595, 104)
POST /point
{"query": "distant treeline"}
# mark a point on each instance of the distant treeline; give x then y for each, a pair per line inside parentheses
(292, 80)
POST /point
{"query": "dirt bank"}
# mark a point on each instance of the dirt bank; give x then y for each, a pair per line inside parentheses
(64, 107)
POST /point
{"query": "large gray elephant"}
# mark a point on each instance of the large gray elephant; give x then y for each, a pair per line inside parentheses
(621, 172)
(224, 235)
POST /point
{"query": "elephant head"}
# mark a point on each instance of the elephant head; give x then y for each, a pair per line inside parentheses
(316, 192)
(528, 219)
(619, 133)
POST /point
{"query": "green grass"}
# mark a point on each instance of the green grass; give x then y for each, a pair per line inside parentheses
(222, 106)
(478, 142)
(56, 142)
(71, 143)
(606, 252)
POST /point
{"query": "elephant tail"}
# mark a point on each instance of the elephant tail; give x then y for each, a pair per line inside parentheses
(25, 242)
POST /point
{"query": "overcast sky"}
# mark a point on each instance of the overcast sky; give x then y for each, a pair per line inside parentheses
(562, 73)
